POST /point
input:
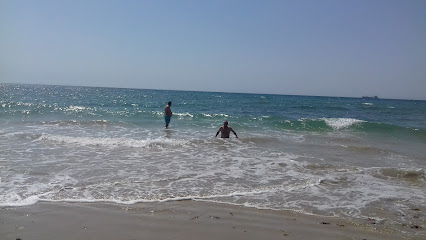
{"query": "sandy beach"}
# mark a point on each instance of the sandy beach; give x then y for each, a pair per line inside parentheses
(198, 120)
(173, 220)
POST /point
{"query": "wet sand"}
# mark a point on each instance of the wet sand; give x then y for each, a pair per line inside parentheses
(173, 220)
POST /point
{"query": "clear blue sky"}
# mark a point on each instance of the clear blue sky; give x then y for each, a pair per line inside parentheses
(303, 47)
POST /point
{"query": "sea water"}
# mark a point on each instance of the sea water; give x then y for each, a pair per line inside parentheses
(361, 159)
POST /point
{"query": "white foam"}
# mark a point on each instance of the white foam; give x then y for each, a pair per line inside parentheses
(113, 142)
(75, 108)
(24, 104)
(158, 113)
(14, 200)
(341, 123)
(186, 114)
(215, 115)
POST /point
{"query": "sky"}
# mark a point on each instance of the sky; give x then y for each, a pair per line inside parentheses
(295, 47)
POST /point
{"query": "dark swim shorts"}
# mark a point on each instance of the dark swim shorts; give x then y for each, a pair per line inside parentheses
(167, 119)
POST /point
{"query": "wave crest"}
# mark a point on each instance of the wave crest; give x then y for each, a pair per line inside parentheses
(341, 123)
(407, 174)
(113, 142)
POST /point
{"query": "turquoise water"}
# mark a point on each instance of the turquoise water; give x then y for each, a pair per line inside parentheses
(347, 157)
(32, 102)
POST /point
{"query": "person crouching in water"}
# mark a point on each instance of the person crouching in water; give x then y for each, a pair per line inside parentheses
(224, 131)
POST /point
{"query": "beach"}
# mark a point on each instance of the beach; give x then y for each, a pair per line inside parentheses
(175, 220)
(187, 120)
(102, 157)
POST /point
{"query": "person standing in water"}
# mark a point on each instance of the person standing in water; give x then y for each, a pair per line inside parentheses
(168, 113)
(225, 130)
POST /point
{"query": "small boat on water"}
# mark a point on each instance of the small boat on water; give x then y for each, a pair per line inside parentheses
(370, 97)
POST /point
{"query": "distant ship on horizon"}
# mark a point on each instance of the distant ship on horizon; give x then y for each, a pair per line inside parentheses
(370, 97)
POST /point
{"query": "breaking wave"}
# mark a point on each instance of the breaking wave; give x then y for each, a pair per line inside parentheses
(113, 142)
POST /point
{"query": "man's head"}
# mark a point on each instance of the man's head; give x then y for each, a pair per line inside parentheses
(225, 123)
(169, 103)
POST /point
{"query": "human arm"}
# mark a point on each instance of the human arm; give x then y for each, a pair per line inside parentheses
(234, 133)
(218, 131)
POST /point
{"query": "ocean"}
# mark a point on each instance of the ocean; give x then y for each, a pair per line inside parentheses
(354, 158)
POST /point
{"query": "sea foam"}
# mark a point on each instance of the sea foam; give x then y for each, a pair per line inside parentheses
(341, 123)
(113, 142)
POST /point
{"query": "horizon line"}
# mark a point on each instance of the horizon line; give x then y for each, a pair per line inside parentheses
(183, 90)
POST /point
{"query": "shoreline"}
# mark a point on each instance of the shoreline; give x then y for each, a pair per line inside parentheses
(175, 220)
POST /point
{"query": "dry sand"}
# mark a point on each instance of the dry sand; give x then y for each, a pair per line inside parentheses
(173, 220)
